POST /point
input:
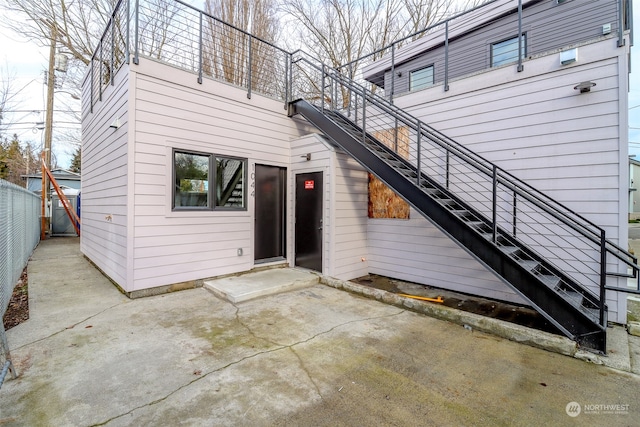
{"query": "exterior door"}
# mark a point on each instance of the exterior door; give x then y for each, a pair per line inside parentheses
(61, 225)
(309, 221)
(270, 214)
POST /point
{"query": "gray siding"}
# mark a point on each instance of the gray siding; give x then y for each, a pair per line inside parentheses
(536, 126)
(105, 164)
(173, 111)
(548, 26)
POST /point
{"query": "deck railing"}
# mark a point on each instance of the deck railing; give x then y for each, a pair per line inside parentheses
(178, 34)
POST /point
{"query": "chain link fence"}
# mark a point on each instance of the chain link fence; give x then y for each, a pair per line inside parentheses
(19, 235)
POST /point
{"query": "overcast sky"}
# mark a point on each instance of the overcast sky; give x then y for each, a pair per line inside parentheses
(27, 62)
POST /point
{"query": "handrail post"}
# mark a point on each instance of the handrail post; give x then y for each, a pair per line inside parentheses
(350, 91)
(393, 72)
(249, 74)
(520, 66)
(603, 274)
(290, 59)
(364, 115)
(91, 84)
(127, 45)
(113, 47)
(418, 151)
(200, 49)
(136, 58)
(620, 23)
(322, 82)
(494, 213)
(101, 72)
(355, 109)
(286, 81)
(446, 171)
(515, 212)
(334, 95)
(446, 55)
(395, 135)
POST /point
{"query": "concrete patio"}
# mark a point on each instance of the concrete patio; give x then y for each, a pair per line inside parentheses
(311, 356)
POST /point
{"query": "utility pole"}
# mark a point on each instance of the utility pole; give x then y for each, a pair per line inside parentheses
(48, 131)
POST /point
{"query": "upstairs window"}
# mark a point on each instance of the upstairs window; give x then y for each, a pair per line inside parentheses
(420, 79)
(205, 181)
(506, 51)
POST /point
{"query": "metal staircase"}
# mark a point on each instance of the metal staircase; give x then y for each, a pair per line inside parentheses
(551, 256)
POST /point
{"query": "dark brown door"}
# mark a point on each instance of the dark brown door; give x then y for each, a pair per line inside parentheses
(270, 215)
(308, 228)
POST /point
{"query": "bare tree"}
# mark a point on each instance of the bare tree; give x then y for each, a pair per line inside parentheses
(8, 96)
(78, 24)
(230, 54)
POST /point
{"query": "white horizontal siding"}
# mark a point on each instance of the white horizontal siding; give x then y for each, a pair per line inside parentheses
(349, 192)
(416, 251)
(534, 125)
(104, 180)
(173, 111)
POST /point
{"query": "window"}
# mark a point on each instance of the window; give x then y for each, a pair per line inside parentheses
(506, 51)
(230, 183)
(420, 79)
(194, 172)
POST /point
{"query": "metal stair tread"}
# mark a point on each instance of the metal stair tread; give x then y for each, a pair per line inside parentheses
(530, 265)
(535, 272)
(549, 280)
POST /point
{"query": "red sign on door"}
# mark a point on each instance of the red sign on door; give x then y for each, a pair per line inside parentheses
(309, 185)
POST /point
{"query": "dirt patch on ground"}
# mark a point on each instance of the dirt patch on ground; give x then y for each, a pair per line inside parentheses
(520, 315)
(18, 310)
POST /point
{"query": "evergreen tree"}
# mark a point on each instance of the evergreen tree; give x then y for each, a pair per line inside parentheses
(76, 162)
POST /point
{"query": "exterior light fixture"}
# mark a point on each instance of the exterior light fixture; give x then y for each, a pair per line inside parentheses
(584, 87)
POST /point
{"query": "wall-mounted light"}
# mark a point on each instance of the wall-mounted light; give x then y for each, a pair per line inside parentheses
(399, 73)
(306, 156)
(115, 124)
(584, 87)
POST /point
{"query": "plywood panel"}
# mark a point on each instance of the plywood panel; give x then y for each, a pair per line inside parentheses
(383, 201)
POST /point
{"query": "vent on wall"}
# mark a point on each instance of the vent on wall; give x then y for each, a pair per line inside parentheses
(568, 56)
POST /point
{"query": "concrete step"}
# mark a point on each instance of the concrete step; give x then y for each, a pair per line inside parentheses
(257, 284)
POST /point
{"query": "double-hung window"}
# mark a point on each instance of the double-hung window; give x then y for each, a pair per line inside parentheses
(421, 78)
(204, 181)
(506, 51)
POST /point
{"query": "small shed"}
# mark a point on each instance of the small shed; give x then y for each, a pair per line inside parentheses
(65, 179)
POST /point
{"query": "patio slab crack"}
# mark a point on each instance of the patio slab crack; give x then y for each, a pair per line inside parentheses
(251, 356)
(68, 327)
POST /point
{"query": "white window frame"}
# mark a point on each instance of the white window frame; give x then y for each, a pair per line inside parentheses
(421, 85)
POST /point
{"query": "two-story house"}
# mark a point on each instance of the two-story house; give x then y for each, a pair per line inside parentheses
(502, 133)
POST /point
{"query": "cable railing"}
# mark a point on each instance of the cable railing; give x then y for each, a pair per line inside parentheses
(570, 242)
(449, 51)
(182, 36)
(178, 34)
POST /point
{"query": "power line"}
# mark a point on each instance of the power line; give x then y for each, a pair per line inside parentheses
(40, 111)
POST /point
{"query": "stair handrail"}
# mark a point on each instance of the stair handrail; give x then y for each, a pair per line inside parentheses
(562, 213)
